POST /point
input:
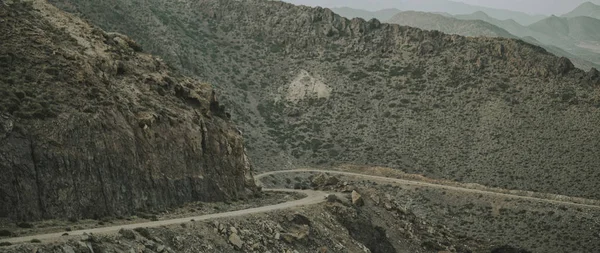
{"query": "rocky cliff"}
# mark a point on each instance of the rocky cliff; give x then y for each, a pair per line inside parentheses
(91, 127)
(313, 88)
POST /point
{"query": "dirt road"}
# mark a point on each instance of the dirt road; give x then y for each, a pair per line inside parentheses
(431, 185)
(313, 197)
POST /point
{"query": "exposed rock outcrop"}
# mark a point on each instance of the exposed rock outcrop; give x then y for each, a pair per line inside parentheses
(90, 127)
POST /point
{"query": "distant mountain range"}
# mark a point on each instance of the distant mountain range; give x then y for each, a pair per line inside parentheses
(576, 37)
(433, 21)
(435, 6)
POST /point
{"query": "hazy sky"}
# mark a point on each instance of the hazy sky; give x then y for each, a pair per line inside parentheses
(547, 7)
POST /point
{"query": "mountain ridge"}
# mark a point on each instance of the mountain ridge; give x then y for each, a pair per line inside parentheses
(588, 9)
(311, 88)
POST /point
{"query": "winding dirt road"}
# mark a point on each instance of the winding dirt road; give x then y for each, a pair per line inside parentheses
(313, 197)
(431, 185)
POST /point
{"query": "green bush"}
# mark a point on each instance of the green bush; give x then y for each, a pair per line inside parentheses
(25, 225)
(5, 233)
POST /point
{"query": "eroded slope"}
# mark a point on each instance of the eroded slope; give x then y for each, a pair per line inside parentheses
(91, 127)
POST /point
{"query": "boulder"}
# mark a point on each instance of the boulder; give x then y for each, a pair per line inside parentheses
(375, 199)
(332, 198)
(324, 180)
(236, 241)
(127, 234)
(357, 199)
(300, 219)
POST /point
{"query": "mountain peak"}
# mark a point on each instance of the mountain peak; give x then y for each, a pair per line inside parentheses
(589, 4)
(587, 9)
(480, 13)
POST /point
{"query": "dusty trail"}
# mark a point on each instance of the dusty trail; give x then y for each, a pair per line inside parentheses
(431, 185)
(313, 197)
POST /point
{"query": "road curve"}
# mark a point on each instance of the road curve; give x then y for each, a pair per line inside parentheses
(425, 184)
(313, 197)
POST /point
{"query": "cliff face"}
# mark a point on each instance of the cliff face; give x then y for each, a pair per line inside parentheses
(90, 126)
(312, 88)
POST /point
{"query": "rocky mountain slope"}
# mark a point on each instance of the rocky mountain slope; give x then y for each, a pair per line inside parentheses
(450, 25)
(313, 88)
(587, 9)
(91, 127)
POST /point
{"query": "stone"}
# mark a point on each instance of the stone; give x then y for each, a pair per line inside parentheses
(357, 199)
(277, 236)
(300, 219)
(388, 206)
(127, 234)
(67, 249)
(236, 241)
(289, 238)
(332, 198)
(324, 180)
(160, 249)
(375, 199)
(233, 230)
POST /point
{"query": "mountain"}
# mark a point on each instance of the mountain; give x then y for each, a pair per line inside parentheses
(574, 39)
(579, 36)
(569, 30)
(476, 24)
(578, 61)
(587, 9)
(431, 21)
(457, 8)
(91, 127)
(351, 13)
(509, 25)
(435, 6)
(311, 88)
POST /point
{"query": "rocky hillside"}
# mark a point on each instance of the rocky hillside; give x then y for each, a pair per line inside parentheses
(432, 21)
(91, 127)
(313, 88)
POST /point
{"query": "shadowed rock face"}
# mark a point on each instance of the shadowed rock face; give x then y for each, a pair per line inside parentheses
(493, 111)
(91, 127)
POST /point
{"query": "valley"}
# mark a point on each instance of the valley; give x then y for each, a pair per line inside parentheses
(162, 126)
(493, 111)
